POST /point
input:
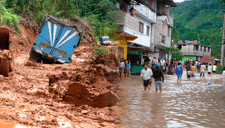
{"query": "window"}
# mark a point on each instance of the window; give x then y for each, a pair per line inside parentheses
(196, 47)
(208, 49)
(141, 27)
(204, 49)
(179, 47)
(148, 30)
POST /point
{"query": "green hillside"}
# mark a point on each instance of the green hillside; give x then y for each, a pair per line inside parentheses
(200, 20)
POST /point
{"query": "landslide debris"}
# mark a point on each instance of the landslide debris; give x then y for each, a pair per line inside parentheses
(78, 94)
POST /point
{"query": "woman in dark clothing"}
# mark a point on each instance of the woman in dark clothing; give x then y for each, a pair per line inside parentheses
(188, 71)
(159, 78)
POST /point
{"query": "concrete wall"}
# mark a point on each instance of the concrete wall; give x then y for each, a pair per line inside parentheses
(189, 50)
(143, 38)
(131, 22)
(158, 33)
(165, 29)
(152, 4)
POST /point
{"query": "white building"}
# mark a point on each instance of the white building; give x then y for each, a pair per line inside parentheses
(151, 25)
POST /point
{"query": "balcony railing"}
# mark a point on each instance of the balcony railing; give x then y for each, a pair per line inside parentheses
(146, 12)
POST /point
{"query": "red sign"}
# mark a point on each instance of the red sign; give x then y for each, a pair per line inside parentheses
(212, 57)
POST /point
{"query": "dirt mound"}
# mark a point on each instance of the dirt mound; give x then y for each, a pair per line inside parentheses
(88, 37)
(85, 52)
(22, 42)
(108, 60)
(87, 85)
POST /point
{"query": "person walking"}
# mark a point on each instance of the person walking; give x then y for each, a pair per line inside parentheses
(149, 63)
(210, 69)
(188, 71)
(153, 63)
(167, 67)
(214, 68)
(202, 70)
(121, 67)
(198, 67)
(179, 71)
(193, 70)
(146, 75)
(162, 62)
(159, 78)
(128, 68)
(158, 63)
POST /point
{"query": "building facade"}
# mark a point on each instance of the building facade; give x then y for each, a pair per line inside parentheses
(148, 31)
(193, 50)
(151, 25)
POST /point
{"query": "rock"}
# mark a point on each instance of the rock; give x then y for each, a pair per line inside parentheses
(107, 99)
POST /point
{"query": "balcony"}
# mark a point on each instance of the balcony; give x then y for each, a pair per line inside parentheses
(146, 12)
(128, 21)
(170, 20)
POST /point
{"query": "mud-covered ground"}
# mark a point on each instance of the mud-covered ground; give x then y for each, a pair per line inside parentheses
(28, 98)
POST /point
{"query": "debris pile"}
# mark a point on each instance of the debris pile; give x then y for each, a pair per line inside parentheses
(50, 95)
(86, 84)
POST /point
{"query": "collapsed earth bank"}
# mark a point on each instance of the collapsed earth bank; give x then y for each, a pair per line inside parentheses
(84, 87)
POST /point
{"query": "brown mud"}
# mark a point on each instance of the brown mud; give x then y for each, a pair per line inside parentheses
(80, 94)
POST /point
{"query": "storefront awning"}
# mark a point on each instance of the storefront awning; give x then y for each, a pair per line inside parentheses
(121, 35)
(137, 47)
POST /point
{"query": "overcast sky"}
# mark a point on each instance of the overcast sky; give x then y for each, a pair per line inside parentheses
(178, 0)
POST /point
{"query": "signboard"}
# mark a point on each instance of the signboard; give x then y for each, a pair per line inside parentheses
(135, 53)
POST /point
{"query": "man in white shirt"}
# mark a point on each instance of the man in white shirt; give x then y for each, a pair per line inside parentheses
(214, 68)
(210, 69)
(146, 75)
(162, 62)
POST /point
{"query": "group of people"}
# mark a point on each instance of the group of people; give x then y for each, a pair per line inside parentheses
(147, 75)
(155, 68)
(196, 66)
(124, 68)
(162, 64)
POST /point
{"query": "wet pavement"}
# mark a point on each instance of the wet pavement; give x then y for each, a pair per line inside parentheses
(193, 103)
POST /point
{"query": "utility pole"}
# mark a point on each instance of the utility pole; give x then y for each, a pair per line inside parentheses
(223, 41)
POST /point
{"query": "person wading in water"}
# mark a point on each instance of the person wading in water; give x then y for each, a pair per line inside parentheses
(159, 78)
(146, 75)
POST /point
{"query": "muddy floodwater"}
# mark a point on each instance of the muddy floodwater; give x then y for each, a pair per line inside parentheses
(193, 103)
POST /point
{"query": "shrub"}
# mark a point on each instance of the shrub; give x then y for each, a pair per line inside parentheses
(10, 19)
(219, 69)
(100, 50)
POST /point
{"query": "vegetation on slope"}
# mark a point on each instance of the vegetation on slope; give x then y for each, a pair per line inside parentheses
(200, 20)
(95, 11)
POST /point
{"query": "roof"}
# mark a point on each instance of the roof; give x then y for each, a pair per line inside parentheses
(163, 19)
(58, 21)
(192, 44)
(168, 2)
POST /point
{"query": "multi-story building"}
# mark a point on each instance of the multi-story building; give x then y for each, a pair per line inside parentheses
(163, 27)
(193, 50)
(147, 31)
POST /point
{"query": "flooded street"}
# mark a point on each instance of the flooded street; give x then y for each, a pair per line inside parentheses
(196, 102)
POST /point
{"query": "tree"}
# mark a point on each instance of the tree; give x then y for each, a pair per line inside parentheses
(222, 1)
(176, 53)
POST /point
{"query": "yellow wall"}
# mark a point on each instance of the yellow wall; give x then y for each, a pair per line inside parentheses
(123, 44)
